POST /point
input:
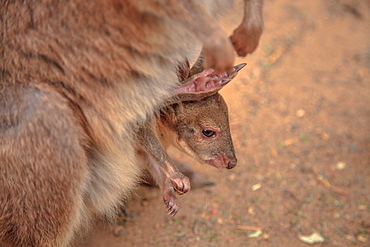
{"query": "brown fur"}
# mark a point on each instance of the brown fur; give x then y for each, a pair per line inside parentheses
(75, 78)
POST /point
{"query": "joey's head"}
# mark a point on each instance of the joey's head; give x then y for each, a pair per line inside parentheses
(201, 129)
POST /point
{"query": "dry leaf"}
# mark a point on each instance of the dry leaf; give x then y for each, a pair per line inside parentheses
(312, 239)
(256, 187)
(362, 238)
(255, 234)
(290, 141)
(362, 207)
(325, 136)
(278, 52)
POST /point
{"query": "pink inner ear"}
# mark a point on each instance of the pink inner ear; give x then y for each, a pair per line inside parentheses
(207, 81)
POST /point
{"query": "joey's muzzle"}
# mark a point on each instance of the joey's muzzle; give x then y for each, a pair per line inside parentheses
(223, 161)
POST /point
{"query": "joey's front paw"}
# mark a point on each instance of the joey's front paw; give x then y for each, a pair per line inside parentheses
(181, 184)
(169, 199)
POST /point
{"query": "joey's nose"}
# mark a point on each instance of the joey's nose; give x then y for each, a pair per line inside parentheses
(231, 164)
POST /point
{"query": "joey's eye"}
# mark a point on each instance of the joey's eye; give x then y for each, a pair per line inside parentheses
(208, 133)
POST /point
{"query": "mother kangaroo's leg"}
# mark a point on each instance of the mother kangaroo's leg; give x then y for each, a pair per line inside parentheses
(43, 167)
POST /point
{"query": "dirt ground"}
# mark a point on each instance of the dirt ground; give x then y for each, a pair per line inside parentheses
(300, 120)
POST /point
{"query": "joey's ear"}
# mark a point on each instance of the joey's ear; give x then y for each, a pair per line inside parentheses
(202, 85)
(171, 112)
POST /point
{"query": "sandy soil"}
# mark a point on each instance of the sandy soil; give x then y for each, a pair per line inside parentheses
(300, 120)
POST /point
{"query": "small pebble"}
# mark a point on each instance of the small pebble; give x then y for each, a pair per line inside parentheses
(361, 207)
(294, 127)
(340, 165)
(265, 236)
(350, 238)
(300, 113)
(359, 180)
(231, 177)
(325, 136)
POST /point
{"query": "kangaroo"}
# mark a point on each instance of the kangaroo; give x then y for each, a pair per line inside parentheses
(200, 128)
(76, 79)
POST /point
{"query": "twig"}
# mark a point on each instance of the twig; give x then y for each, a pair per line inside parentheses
(276, 54)
(327, 185)
(249, 228)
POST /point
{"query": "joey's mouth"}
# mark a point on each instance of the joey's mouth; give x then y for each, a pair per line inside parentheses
(221, 161)
(213, 163)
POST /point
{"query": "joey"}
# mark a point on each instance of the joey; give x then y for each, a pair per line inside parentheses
(198, 127)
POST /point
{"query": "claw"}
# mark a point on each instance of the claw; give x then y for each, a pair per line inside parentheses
(174, 213)
(239, 66)
(181, 185)
(225, 81)
(169, 208)
(180, 192)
